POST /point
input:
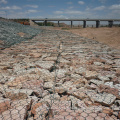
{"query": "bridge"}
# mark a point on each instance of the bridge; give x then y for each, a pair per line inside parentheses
(110, 21)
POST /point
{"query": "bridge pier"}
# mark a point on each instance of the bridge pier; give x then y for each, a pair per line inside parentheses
(45, 23)
(110, 23)
(97, 24)
(58, 23)
(71, 24)
(32, 23)
(84, 24)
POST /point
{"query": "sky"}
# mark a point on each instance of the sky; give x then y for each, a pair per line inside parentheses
(60, 9)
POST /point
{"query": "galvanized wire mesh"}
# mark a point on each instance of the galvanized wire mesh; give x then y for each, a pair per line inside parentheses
(59, 76)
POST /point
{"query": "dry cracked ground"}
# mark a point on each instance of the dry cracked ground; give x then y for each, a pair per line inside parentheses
(59, 76)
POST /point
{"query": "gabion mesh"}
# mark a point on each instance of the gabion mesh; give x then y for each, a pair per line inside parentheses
(58, 75)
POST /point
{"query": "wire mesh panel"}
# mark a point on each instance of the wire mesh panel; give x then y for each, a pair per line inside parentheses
(58, 75)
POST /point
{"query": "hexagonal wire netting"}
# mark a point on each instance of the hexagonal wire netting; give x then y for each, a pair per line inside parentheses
(58, 75)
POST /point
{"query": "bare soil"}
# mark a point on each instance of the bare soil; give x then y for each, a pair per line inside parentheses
(109, 36)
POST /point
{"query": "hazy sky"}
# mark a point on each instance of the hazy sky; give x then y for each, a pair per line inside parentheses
(60, 8)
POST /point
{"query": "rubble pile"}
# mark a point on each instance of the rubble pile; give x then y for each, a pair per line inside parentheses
(58, 75)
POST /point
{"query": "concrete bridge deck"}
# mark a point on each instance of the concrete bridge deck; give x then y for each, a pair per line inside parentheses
(110, 21)
(75, 19)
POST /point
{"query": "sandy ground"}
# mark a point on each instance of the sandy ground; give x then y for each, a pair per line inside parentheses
(109, 36)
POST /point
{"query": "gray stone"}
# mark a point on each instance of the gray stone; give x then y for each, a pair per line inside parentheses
(15, 94)
(77, 103)
(76, 76)
(3, 88)
(91, 74)
(48, 85)
(58, 90)
(33, 98)
(67, 83)
(109, 84)
(46, 75)
(3, 78)
(45, 64)
(103, 78)
(98, 63)
(91, 93)
(69, 87)
(26, 91)
(117, 86)
(110, 76)
(59, 84)
(80, 70)
(31, 118)
(104, 99)
(45, 93)
(80, 94)
(109, 61)
(50, 58)
(62, 60)
(61, 73)
(97, 82)
(39, 93)
(18, 67)
(50, 98)
(45, 55)
(116, 108)
(117, 102)
(115, 113)
(92, 86)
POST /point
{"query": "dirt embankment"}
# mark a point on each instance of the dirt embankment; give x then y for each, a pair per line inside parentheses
(109, 36)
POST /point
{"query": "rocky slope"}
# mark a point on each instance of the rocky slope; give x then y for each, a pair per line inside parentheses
(12, 33)
(58, 75)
